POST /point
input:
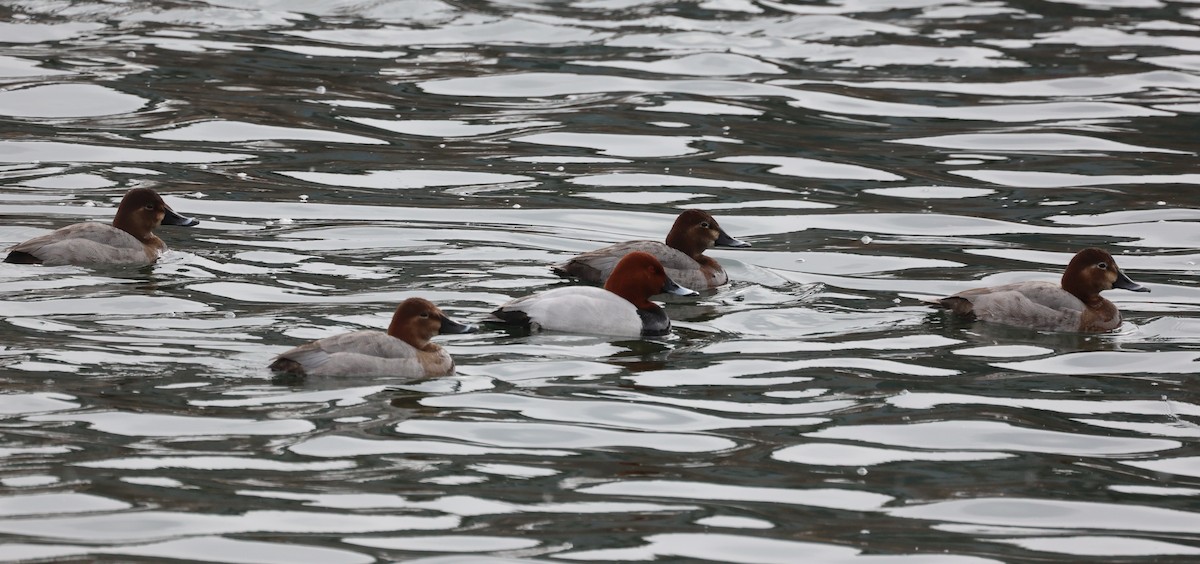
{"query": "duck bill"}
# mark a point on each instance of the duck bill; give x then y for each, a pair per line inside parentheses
(671, 287)
(452, 327)
(172, 218)
(1125, 283)
(724, 240)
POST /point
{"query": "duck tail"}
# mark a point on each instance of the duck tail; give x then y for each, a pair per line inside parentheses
(21, 257)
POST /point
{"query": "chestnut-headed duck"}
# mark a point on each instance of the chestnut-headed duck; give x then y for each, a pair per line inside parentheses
(404, 351)
(129, 240)
(621, 308)
(1073, 305)
(682, 255)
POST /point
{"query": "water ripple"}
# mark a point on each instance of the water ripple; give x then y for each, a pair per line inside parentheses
(344, 156)
(969, 435)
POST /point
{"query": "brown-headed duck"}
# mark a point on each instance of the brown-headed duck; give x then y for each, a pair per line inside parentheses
(1072, 305)
(404, 350)
(129, 240)
(621, 308)
(682, 255)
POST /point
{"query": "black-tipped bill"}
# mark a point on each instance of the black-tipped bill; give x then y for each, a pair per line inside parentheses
(172, 218)
(1123, 282)
(724, 240)
(671, 287)
(452, 327)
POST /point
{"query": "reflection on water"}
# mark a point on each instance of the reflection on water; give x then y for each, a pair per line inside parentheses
(344, 156)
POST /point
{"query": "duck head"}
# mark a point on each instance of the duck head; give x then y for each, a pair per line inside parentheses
(695, 231)
(417, 320)
(638, 276)
(142, 210)
(1092, 271)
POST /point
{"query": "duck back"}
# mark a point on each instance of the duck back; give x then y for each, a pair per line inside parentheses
(363, 353)
(596, 266)
(1037, 305)
(574, 309)
(89, 243)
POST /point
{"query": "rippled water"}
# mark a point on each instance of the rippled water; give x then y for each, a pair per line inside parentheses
(345, 155)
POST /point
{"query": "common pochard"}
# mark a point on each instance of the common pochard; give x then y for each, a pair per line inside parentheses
(1073, 305)
(694, 232)
(404, 350)
(621, 308)
(129, 240)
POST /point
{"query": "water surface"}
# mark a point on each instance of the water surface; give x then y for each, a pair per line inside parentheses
(343, 156)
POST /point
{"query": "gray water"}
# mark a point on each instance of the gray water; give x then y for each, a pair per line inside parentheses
(344, 155)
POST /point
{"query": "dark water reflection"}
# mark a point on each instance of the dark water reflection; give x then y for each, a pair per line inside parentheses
(344, 156)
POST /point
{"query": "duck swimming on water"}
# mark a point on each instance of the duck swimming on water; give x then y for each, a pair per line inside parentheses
(403, 351)
(1074, 304)
(682, 255)
(129, 240)
(621, 308)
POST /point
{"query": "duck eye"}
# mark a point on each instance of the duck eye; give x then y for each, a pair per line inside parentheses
(1102, 266)
(704, 224)
(425, 314)
(149, 206)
